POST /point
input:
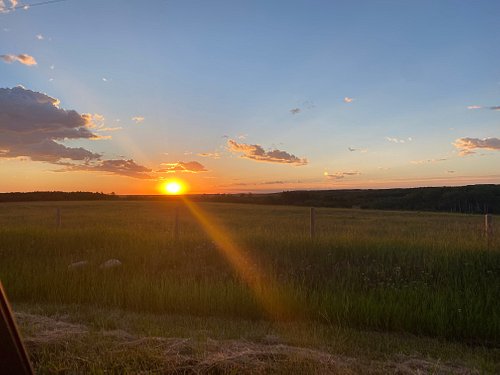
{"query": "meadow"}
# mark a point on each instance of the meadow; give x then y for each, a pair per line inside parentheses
(425, 274)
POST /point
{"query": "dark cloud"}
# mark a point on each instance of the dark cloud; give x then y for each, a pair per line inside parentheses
(468, 145)
(256, 152)
(120, 167)
(495, 108)
(295, 111)
(181, 166)
(32, 125)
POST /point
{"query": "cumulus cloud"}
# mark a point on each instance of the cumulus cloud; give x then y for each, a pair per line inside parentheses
(467, 146)
(121, 167)
(256, 152)
(181, 166)
(348, 100)
(137, 119)
(339, 175)
(39, 36)
(22, 58)
(32, 125)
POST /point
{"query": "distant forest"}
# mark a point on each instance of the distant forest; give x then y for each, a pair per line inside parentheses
(464, 199)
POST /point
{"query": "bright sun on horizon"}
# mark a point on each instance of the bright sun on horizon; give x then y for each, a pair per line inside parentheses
(174, 187)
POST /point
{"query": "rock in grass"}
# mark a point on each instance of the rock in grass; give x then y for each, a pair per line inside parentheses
(78, 265)
(110, 263)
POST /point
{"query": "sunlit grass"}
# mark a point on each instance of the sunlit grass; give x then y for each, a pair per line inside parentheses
(421, 273)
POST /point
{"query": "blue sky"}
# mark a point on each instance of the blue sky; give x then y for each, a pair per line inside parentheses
(396, 82)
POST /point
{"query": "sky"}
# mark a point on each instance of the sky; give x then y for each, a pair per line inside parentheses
(248, 96)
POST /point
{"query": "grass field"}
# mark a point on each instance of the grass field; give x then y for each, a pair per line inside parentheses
(425, 274)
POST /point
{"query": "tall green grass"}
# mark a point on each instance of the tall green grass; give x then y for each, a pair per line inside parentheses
(423, 273)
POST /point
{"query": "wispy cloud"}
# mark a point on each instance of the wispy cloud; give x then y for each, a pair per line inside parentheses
(256, 152)
(181, 166)
(138, 119)
(306, 105)
(398, 140)
(211, 155)
(362, 150)
(492, 108)
(22, 58)
(340, 175)
(466, 146)
(427, 161)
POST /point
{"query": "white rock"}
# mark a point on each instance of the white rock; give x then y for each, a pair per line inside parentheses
(110, 263)
(78, 265)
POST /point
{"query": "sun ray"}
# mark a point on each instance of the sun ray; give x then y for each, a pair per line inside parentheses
(262, 286)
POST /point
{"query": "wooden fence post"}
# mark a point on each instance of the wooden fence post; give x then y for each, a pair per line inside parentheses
(488, 228)
(312, 227)
(58, 218)
(176, 223)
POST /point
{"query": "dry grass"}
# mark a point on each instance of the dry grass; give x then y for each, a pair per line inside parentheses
(59, 346)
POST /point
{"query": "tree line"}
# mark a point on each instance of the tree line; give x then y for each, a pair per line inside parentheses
(463, 199)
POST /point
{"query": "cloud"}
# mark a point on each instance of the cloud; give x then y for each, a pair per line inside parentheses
(212, 155)
(295, 111)
(399, 140)
(340, 175)
(7, 6)
(428, 161)
(181, 166)
(22, 58)
(363, 151)
(492, 108)
(39, 37)
(348, 100)
(256, 152)
(450, 172)
(468, 145)
(138, 119)
(32, 125)
(121, 167)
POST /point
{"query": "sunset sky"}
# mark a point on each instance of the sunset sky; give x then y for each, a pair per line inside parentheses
(248, 96)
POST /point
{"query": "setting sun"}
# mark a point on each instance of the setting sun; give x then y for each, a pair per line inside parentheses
(174, 187)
